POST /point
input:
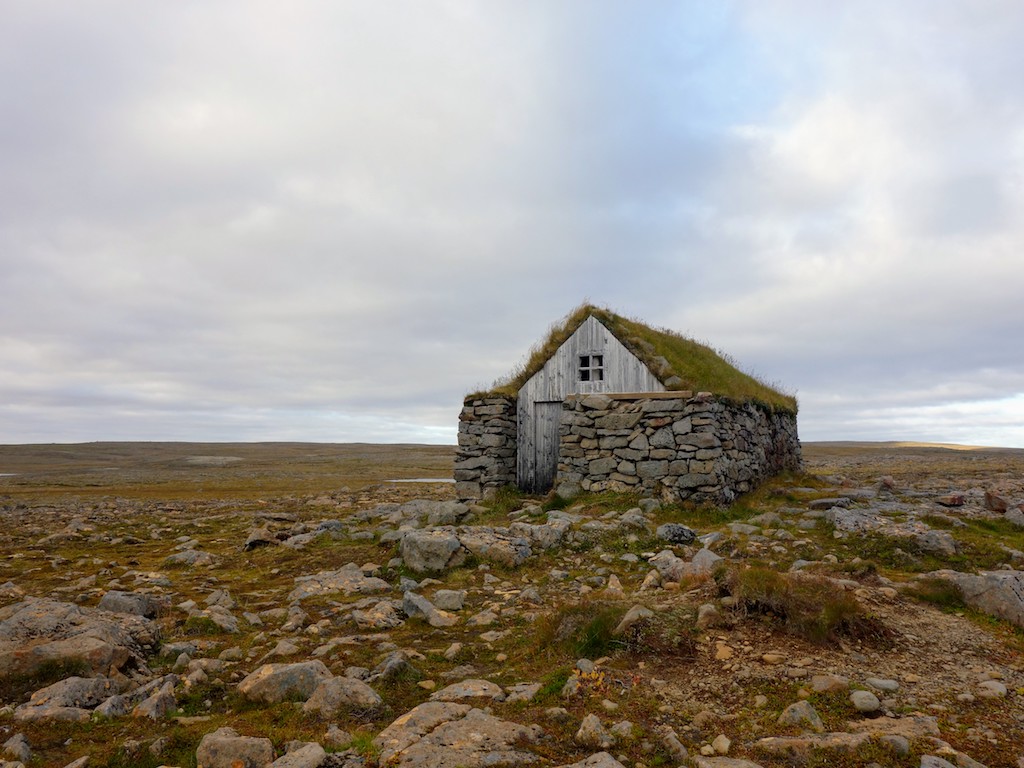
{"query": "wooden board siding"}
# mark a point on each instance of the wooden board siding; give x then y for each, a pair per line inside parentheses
(623, 372)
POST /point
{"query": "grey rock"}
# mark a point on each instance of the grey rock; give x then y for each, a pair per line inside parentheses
(542, 537)
(193, 558)
(17, 748)
(703, 562)
(634, 615)
(802, 714)
(432, 551)
(496, 546)
(440, 734)
(882, 684)
(997, 593)
(938, 543)
(349, 580)
(592, 734)
(309, 755)
(418, 606)
(394, 666)
(676, 533)
(450, 599)
(597, 760)
(260, 537)
(469, 689)
(158, 705)
(39, 632)
(383, 615)
(723, 762)
(224, 748)
(136, 603)
(341, 694)
(273, 683)
(865, 701)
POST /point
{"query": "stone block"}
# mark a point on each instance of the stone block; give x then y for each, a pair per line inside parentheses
(603, 466)
(652, 469)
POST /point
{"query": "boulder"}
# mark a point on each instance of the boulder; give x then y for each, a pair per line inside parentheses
(308, 755)
(937, 542)
(676, 533)
(224, 748)
(416, 605)
(496, 546)
(349, 579)
(469, 689)
(342, 694)
(383, 615)
(592, 734)
(440, 734)
(995, 502)
(597, 760)
(803, 715)
(432, 551)
(158, 705)
(38, 632)
(17, 748)
(137, 603)
(997, 593)
(272, 683)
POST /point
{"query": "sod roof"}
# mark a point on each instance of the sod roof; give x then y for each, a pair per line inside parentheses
(678, 363)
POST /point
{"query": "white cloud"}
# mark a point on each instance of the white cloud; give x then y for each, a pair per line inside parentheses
(335, 219)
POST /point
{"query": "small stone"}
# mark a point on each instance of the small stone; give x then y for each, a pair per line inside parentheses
(865, 702)
(880, 684)
(592, 734)
(721, 744)
(991, 689)
(829, 683)
(802, 714)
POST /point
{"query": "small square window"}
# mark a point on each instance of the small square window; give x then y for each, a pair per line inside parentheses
(591, 367)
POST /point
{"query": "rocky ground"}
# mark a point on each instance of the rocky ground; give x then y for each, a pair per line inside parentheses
(184, 611)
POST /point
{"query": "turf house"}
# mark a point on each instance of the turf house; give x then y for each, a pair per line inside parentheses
(609, 403)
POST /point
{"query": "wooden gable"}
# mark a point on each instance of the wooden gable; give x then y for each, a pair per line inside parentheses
(590, 360)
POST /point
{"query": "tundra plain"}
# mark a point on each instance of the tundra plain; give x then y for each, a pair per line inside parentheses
(289, 603)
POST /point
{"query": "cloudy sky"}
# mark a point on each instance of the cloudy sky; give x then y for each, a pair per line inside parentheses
(328, 221)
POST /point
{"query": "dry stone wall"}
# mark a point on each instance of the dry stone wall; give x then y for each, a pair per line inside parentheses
(701, 448)
(486, 458)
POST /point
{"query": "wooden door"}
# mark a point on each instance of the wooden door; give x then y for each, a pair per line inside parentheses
(547, 416)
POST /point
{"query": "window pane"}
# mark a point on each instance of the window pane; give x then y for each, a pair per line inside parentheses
(598, 361)
(584, 361)
(584, 374)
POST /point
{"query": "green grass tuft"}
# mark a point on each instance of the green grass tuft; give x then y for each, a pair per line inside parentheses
(810, 607)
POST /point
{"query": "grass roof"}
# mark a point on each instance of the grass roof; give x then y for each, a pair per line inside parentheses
(678, 362)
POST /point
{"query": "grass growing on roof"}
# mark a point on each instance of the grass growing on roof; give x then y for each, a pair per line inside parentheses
(667, 353)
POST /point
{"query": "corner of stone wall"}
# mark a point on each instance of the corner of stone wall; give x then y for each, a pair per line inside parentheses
(486, 457)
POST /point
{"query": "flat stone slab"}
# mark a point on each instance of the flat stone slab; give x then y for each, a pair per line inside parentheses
(349, 579)
(41, 631)
(449, 735)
